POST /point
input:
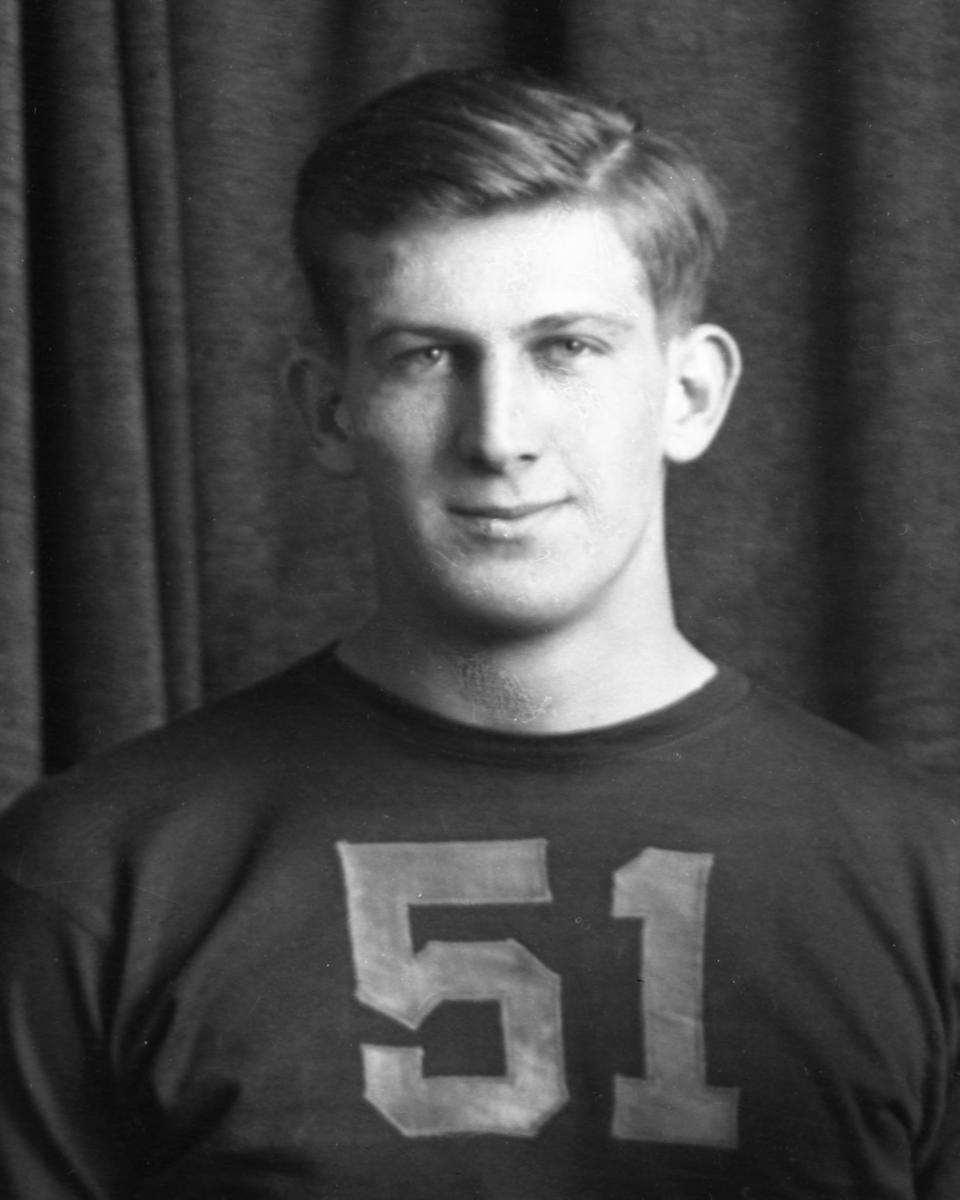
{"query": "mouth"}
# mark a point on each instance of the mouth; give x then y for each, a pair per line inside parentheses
(504, 522)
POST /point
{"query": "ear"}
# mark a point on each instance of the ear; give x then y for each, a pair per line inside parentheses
(705, 364)
(312, 382)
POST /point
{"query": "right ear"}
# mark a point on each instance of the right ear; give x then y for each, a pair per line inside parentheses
(312, 383)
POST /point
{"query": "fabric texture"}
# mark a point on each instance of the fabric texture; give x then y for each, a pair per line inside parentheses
(164, 532)
(315, 942)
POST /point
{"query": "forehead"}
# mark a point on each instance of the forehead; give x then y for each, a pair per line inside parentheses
(481, 271)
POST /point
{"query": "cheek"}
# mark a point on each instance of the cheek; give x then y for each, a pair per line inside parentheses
(396, 414)
(628, 396)
(613, 432)
(395, 445)
(616, 454)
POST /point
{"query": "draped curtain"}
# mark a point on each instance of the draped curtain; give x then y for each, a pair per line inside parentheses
(165, 534)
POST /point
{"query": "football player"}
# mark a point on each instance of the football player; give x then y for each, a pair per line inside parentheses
(511, 893)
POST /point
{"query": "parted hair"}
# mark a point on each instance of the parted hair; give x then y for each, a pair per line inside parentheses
(470, 143)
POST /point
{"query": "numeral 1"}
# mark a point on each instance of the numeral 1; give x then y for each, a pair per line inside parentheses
(667, 891)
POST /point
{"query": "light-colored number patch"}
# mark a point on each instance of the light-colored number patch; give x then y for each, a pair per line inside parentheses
(664, 890)
(383, 882)
(667, 891)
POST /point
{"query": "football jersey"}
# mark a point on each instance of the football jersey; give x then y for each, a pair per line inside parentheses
(316, 942)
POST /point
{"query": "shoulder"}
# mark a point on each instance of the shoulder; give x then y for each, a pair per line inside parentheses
(782, 734)
(865, 797)
(211, 770)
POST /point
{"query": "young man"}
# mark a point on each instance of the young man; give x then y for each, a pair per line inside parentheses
(512, 894)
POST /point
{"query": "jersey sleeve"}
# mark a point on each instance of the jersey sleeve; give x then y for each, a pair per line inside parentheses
(58, 1125)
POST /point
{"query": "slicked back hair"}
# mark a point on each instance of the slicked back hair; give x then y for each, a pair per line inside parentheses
(472, 143)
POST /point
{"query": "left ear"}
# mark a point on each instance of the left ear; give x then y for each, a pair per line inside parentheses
(705, 367)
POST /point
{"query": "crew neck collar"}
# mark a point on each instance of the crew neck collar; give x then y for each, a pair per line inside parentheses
(725, 690)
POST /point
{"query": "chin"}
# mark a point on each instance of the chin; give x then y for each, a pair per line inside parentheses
(502, 618)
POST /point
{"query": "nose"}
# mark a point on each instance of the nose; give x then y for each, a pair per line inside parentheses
(499, 424)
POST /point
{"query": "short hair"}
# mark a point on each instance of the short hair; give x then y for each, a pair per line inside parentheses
(476, 142)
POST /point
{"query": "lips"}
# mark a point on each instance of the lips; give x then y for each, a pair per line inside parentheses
(504, 523)
(503, 512)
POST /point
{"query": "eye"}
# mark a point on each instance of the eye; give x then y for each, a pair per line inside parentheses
(560, 351)
(430, 354)
(420, 359)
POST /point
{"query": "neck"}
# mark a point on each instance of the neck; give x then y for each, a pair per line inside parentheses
(555, 682)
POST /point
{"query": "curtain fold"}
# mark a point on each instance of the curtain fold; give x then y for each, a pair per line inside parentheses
(165, 534)
(896, 570)
(103, 676)
(20, 756)
(150, 115)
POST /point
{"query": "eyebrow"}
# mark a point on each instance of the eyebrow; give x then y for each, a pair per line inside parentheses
(614, 322)
(413, 329)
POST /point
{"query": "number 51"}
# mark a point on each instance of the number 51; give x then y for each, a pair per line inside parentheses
(664, 889)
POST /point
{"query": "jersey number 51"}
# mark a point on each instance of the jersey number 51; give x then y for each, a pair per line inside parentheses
(666, 890)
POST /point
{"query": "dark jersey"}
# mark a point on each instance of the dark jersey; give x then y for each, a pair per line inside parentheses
(313, 942)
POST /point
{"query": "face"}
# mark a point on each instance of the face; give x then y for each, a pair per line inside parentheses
(506, 397)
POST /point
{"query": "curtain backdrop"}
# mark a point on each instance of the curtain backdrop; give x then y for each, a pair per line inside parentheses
(165, 535)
